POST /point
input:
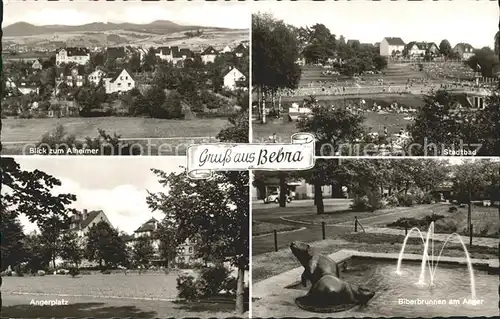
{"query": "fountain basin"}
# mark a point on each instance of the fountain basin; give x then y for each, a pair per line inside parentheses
(273, 299)
(402, 296)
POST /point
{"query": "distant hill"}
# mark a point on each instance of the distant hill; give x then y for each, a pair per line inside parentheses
(21, 29)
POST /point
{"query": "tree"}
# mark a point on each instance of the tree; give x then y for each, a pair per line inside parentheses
(71, 249)
(275, 51)
(331, 127)
(213, 212)
(445, 48)
(104, 245)
(52, 230)
(497, 43)
(238, 131)
(469, 179)
(324, 173)
(440, 123)
(143, 250)
(36, 257)
(12, 237)
(487, 60)
(168, 242)
(31, 193)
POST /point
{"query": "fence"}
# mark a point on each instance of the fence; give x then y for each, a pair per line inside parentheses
(323, 232)
(356, 225)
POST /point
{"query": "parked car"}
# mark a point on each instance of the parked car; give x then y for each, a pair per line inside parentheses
(275, 198)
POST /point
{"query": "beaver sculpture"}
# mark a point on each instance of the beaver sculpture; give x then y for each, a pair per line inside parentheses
(327, 289)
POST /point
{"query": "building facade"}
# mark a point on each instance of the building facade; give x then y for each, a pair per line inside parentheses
(391, 46)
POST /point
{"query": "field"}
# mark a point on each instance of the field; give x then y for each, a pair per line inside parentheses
(17, 132)
(30, 130)
(103, 296)
(214, 37)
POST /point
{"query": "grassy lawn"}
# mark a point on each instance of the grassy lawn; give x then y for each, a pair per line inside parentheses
(261, 228)
(31, 130)
(273, 263)
(148, 295)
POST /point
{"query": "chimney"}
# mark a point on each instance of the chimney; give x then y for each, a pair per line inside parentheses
(84, 214)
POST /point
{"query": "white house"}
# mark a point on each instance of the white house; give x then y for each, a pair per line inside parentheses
(390, 46)
(226, 49)
(118, 82)
(36, 65)
(72, 55)
(465, 50)
(232, 77)
(28, 88)
(209, 55)
(96, 76)
(83, 221)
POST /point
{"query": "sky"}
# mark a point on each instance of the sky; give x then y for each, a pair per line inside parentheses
(235, 14)
(474, 22)
(118, 186)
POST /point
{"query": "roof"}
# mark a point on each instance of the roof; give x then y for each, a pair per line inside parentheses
(462, 46)
(75, 51)
(421, 45)
(90, 217)
(209, 51)
(229, 69)
(240, 49)
(185, 52)
(113, 75)
(394, 41)
(147, 226)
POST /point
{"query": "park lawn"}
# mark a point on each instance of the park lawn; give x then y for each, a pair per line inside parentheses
(31, 130)
(485, 221)
(149, 295)
(273, 263)
(261, 228)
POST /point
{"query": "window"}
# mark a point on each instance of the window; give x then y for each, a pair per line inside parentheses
(126, 78)
(119, 84)
(190, 250)
(129, 84)
(121, 77)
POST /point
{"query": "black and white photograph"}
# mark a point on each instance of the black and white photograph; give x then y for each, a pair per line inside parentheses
(122, 78)
(132, 237)
(358, 238)
(413, 78)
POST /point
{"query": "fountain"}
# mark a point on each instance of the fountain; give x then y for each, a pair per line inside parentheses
(431, 262)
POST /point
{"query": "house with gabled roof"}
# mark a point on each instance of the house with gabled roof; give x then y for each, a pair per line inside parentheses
(464, 50)
(233, 79)
(115, 82)
(72, 55)
(415, 48)
(36, 65)
(391, 45)
(96, 76)
(81, 222)
(240, 50)
(209, 54)
(226, 49)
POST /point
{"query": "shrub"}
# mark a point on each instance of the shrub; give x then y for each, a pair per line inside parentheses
(427, 199)
(213, 279)
(405, 200)
(186, 285)
(369, 202)
(85, 272)
(106, 272)
(74, 272)
(392, 201)
(19, 270)
(230, 285)
(452, 209)
(40, 273)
